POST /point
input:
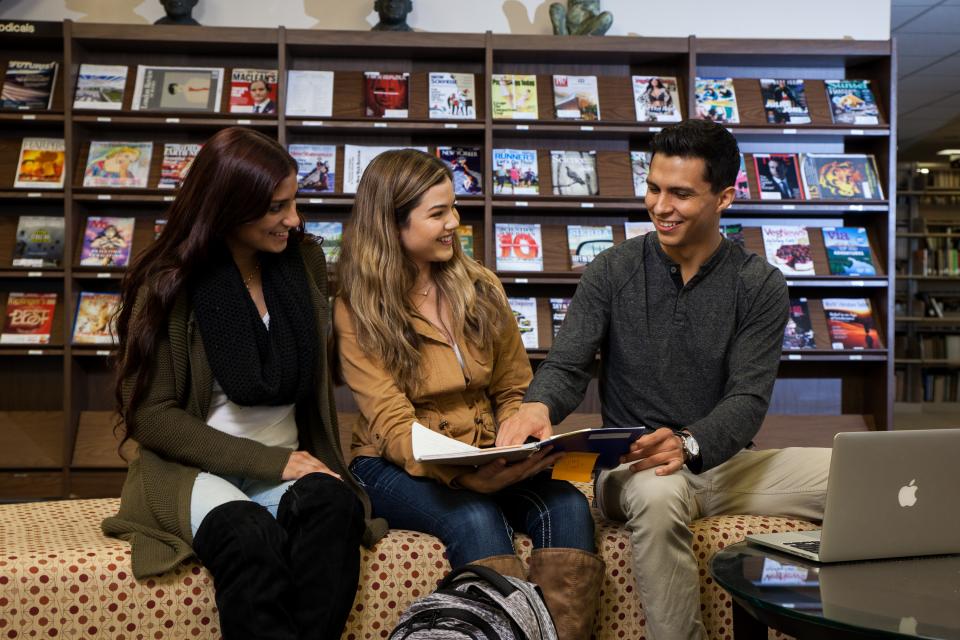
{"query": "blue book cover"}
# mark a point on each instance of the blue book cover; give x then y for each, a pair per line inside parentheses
(848, 251)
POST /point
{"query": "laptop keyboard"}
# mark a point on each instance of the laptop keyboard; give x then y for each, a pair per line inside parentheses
(812, 546)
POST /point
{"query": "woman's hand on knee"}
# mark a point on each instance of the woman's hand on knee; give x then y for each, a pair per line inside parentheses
(301, 463)
(497, 475)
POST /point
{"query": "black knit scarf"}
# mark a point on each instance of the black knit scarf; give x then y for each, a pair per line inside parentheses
(253, 365)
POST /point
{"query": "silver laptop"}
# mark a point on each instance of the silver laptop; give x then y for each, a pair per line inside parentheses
(890, 494)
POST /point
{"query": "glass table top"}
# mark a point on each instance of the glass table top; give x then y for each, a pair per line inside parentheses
(907, 597)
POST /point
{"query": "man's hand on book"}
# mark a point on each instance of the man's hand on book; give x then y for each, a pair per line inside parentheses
(532, 419)
(661, 449)
(497, 475)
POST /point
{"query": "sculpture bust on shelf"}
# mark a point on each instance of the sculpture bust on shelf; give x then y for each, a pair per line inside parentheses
(178, 12)
(580, 18)
(393, 15)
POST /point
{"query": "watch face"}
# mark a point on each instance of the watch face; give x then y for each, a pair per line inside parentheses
(691, 445)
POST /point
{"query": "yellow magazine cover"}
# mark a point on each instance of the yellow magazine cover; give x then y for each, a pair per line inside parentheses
(514, 97)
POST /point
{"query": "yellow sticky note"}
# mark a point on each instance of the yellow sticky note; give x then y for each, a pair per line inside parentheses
(575, 467)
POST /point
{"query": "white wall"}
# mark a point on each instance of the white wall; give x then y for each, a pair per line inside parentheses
(861, 19)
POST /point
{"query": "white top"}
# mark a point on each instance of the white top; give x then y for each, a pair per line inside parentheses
(274, 426)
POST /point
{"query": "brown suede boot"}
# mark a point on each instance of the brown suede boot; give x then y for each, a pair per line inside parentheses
(570, 580)
(505, 565)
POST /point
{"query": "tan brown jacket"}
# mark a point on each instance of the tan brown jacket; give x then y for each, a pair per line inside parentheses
(466, 404)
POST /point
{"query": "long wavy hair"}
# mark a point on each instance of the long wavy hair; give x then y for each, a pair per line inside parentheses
(231, 182)
(375, 274)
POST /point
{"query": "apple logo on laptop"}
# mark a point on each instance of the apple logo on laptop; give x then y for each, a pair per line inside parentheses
(908, 494)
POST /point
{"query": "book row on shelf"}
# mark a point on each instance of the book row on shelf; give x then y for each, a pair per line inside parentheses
(849, 322)
(932, 385)
(777, 176)
(837, 324)
(450, 96)
(108, 242)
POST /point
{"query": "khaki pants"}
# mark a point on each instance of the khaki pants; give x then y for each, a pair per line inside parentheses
(658, 509)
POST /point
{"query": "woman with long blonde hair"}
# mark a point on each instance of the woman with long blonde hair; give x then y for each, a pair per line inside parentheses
(425, 334)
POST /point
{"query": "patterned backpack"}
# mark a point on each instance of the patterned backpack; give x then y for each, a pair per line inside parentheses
(477, 602)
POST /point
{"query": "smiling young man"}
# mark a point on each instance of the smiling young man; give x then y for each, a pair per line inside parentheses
(689, 327)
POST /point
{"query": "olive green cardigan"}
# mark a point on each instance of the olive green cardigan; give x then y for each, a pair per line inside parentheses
(176, 443)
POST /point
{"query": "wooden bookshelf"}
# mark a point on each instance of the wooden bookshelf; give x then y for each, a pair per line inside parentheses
(65, 390)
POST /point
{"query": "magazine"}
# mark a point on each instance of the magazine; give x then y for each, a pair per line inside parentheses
(841, 177)
(40, 165)
(29, 318)
(576, 98)
(574, 173)
(733, 233)
(586, 242)
(95, 321)
(852, 102)
(519, 247)
(177, 159)
(558, 313)
(742, 184)
(851, 325)
(798, 334)
(106, 242)
(466, 163)
(332, 234)
(716, 100)
(452, 96)
(514, 97)
(310, 94)
(465, 234)
(634, 229)
(656, 99)
(355, 161)
(387, 94)
(28, 85)
(177, 89)
(640, 169)
(39, 242)
(100, 86)
(525, 311)
(515, 172)
(118, 164)
(784, 101)
(778, 176)
(158, 225)
(316, 167)
(788, 249)
(253, 91)
(848, 251)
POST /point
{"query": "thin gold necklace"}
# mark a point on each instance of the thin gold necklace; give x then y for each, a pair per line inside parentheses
(249, 279)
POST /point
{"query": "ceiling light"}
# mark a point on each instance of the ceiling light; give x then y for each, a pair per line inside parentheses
(948, 152)
(923, 170)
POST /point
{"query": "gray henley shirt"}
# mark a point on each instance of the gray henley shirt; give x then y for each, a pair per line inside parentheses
(701, 355)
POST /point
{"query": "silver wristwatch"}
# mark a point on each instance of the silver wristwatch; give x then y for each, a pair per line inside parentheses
(691, 449)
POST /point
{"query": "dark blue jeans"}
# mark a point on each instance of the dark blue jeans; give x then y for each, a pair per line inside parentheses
(475, 525)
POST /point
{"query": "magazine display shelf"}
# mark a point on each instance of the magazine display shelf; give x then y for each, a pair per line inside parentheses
(56, 426)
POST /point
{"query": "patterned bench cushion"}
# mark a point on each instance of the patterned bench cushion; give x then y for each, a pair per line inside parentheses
(60, 577)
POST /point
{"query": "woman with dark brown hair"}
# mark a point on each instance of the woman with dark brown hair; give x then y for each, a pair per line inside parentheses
(222, 381)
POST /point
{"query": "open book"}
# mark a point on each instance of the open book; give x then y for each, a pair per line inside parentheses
(609, 443)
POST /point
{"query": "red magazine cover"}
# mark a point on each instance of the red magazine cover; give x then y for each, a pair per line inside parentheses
(29, 318)
(386, 94)
(253, 91)
(851, 325)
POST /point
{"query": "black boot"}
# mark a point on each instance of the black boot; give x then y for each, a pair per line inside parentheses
(324, 523)
(242, 546)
